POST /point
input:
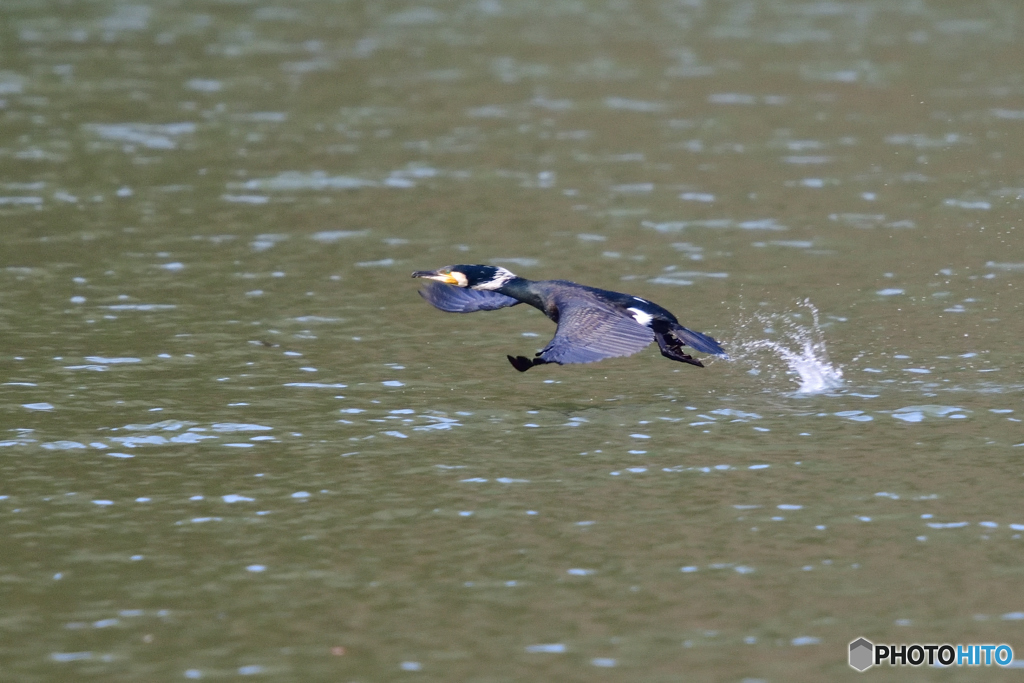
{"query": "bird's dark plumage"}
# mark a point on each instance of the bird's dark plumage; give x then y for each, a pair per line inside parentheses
(590, 330)
(593, 324)
(460, 300)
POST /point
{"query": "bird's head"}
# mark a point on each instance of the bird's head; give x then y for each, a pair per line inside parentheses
(473, 277)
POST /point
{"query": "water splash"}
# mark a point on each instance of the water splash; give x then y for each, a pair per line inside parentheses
(799, 345)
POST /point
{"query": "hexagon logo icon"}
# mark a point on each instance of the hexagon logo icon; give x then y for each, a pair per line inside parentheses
(862, 654)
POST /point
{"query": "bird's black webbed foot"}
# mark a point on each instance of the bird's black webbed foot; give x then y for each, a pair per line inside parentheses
(672, 349)
(522, 363)
(683, 358)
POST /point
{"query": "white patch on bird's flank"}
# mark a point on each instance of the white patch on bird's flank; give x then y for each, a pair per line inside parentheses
(501, 276)
(641, 317)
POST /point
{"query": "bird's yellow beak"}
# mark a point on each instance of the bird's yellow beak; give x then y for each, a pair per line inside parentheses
(447, 278)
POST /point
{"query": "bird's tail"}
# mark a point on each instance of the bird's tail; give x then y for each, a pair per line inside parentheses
(698, 341)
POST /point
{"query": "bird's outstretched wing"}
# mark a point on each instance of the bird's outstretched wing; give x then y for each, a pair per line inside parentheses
(462, 300)
(589, 331)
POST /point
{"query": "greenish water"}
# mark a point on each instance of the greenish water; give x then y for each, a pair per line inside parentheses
(235, 442)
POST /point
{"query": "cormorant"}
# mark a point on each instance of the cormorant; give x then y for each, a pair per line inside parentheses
(593, 324)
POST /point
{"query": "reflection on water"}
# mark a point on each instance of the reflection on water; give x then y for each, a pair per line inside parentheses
(234, 442)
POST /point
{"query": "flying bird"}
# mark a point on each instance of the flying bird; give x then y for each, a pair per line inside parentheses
(593, 324)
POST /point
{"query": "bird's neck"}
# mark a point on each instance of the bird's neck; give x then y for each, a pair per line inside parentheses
(521, 289)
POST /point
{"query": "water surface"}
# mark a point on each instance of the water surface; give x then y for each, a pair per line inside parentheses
(237, 443)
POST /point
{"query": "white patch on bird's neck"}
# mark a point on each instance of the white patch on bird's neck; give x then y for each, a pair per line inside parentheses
(501, 277)
(641, 317)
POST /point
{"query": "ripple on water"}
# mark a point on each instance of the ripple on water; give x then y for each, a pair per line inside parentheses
(919, 413)
(549, 648)
(238, 427)
(151, 136)
(715, 223)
